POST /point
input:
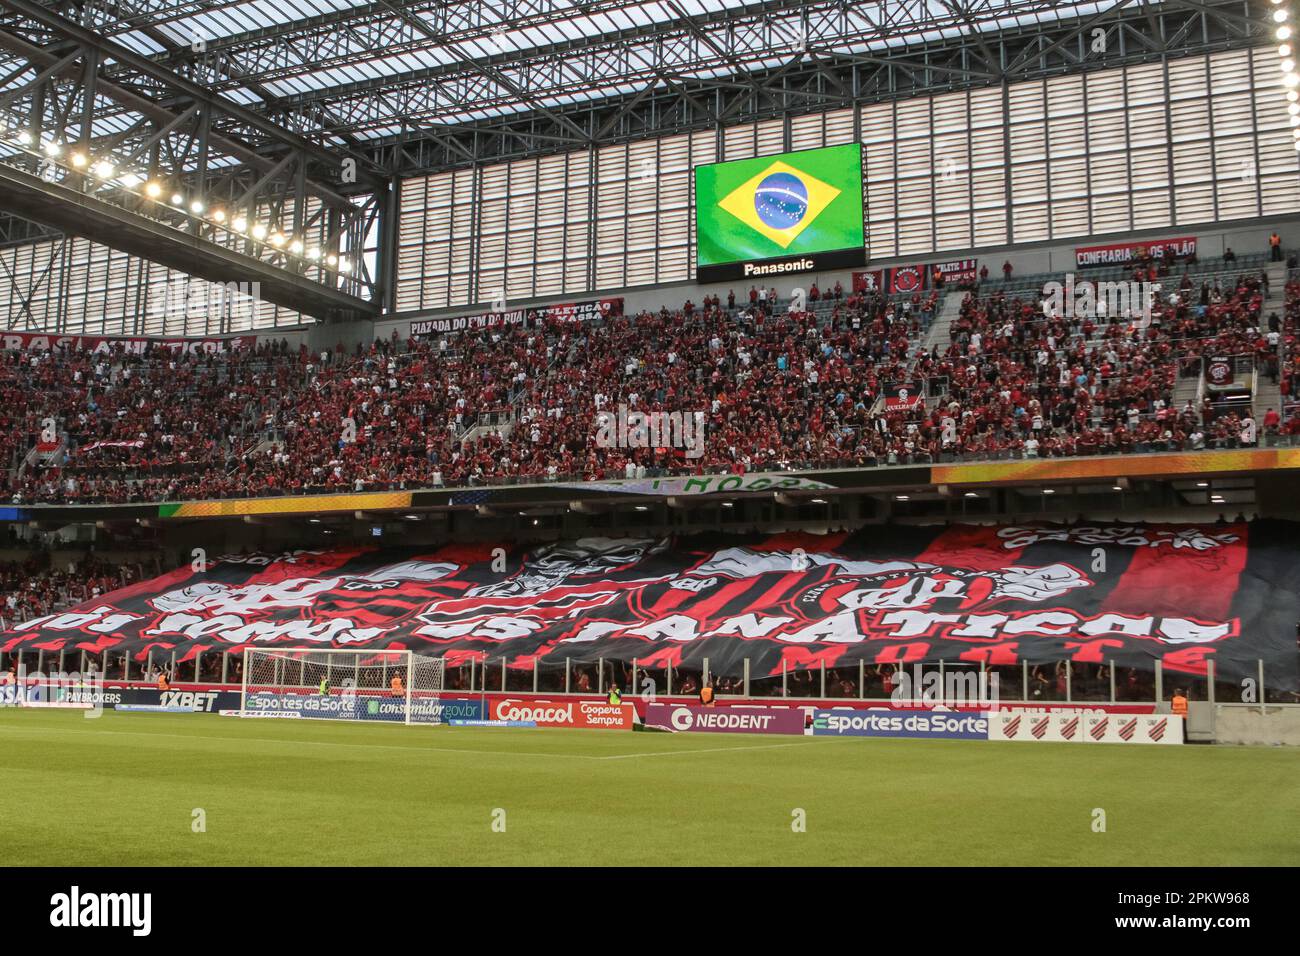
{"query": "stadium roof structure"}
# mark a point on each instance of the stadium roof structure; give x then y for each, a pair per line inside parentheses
(251, 102)
(352, 75)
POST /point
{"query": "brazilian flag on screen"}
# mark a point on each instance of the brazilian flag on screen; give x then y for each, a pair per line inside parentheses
(775, 206)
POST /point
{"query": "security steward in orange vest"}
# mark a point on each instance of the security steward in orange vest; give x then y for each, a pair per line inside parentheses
(1179, 707)
(707, 695)
(396, 685)
(163, 683)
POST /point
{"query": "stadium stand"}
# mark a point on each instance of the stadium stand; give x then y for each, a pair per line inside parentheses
(780, 389)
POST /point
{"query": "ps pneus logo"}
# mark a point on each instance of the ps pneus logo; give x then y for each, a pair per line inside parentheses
(76, 909)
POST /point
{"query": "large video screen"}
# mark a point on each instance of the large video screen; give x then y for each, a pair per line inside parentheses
(782, 214)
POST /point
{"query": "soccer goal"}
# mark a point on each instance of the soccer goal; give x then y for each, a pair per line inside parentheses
(397, 686)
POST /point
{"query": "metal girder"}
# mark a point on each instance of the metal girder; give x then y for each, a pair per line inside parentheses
(469, 79)
(490, 62)
(673, 102)
(17, 232)
(176, 86)
(215, 153)
(85, 214)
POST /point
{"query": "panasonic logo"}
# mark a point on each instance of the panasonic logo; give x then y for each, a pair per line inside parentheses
(776, 268)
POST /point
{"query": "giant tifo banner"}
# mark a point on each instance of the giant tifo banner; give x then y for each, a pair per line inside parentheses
(1129, 594)
(564, 311)
(42, 342)
(1122, 253)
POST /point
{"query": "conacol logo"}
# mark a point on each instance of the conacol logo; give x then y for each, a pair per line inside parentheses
(518, 710)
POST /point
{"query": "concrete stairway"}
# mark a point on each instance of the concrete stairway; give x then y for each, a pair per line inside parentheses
(1267, 394)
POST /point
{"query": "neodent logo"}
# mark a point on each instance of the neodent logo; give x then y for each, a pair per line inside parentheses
(684, 719)
(77, 909)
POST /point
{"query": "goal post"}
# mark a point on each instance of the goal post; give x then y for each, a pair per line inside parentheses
(340, 684)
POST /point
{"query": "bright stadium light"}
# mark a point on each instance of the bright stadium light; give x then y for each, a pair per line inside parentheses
(52, 148)
(219, 215)
(24, 138)
(1279, 16)
(331, 260)
(78, 159)
(259, 231)
(196, 207)
(178, 199)
(296, 247)
(1284, 49)
(152, 189)
(104, 169)
(1284, 33)
(277, 239)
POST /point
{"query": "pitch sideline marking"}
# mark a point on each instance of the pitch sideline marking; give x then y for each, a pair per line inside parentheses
(450, 750)
(318, 743)
(705, 750)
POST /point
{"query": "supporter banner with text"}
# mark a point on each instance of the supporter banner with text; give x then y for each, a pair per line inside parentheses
(1132, 595)
(902, 397)
(958, 271)
(564, 311)
(1122, 253)
(42, 342)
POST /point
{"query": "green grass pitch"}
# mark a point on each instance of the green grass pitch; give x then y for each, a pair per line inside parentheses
(122, 789)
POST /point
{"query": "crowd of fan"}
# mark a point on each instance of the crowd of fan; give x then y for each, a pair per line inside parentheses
(35, 586)
(1027, 381)
(776, 389)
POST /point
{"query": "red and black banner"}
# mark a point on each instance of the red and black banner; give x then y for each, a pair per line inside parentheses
(1130, 595)
(902, 397)
(958, 271)
(869, 280)
(908, 279)
(562, 311)
(1122, 253)
(136, 345)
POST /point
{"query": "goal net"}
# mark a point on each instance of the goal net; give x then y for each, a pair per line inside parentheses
(396, 686)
